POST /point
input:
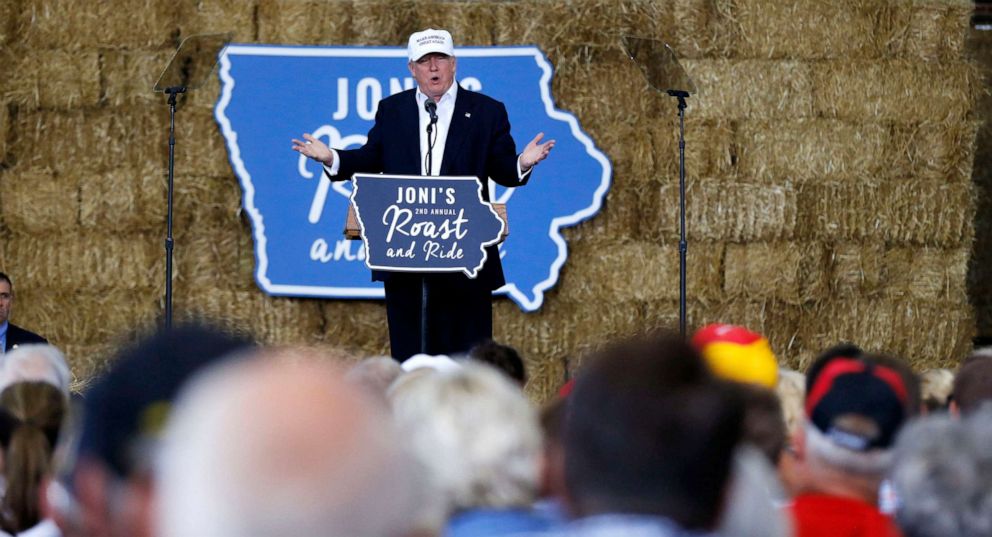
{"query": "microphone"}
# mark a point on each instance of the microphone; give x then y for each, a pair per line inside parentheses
(431, 108)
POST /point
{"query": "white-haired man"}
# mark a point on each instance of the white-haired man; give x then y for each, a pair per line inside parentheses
(854, 409)
(271, 447)
(477, 436)
(471, 138)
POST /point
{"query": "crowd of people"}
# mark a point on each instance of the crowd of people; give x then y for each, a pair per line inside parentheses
(195, 432)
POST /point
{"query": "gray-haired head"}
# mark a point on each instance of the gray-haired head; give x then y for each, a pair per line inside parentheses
(269, 447)
(36, 363)
(475, 433)
(943, 476)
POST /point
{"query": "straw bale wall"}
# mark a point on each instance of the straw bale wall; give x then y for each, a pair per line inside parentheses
(834, 187)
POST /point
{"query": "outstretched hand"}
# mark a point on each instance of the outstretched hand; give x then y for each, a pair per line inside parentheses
(315, 149)
(535, 152)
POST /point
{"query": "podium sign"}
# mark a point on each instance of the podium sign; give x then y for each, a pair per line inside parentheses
(415, 223)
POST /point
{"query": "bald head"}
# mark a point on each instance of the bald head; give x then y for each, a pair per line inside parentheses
(269, 447)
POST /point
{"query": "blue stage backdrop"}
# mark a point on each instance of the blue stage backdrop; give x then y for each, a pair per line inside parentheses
(271, 94)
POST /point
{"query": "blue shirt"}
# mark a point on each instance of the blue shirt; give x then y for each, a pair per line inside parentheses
(486, 522)
(3, 336)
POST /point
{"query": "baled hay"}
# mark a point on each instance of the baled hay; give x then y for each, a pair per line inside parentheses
(944, 151)
(718, 210)
(8, 18)
(928, 334)
(216, 16)
(130, 75)
(471, 24)
(132, 199)
(270, 320)
(213, 256)
(565, 328)
(77, 24)
(4, 129)
(54, 79)
(639, 271)
(37, 201)
(856, 269)
(625, 208)
(93, 140)
(799, 150)
(906, 211)
(545, 376)
(756, 89)
(204, 97)
(578, 88)
(896, 90)
(546, 372)
(929, 30)
(776, 320)
(207, 201)
(200, 146)
(704, 28)
(359, 324)
(87, 361)
(94, 317)
(806, 29)
(709, 145)
(553, 23)
(927, 274)
(305, 22)
(385, 22)
(788, 272)
(64, 263)
(629, 150)
(928, 212)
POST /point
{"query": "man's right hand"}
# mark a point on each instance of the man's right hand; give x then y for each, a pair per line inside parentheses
(315, 149)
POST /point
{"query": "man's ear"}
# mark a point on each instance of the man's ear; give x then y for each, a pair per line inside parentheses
(409, 65)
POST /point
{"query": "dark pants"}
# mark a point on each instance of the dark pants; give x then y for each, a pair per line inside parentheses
(459, 314)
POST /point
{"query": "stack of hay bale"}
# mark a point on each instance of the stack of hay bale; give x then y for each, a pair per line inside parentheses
(829, 154)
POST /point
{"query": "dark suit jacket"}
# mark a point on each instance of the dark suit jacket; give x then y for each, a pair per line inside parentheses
(19, 336)
(478, 144)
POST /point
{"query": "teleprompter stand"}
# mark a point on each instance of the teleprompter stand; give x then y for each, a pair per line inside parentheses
(664, 73)
(187, 70)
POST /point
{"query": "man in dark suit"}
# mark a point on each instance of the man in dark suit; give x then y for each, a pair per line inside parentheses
(10, 334)
(472, 137)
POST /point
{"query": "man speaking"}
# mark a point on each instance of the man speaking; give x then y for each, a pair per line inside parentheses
(469, 134)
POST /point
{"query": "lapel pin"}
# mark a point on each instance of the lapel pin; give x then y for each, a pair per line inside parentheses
(468, 114)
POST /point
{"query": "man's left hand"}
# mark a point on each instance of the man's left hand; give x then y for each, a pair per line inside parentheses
(535, 152)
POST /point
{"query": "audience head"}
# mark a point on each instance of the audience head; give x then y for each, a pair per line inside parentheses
(936, 386)
(266, 447)
(503, 358)
(737, 354)
(375, 374)
(650, 431)
(854, 409)
(124, 414)
(476, 435)
(942, 476)
(764, 426)
(972, 384)
(31, 418)
(36, 362)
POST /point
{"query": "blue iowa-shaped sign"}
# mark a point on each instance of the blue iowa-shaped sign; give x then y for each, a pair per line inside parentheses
(271, 94)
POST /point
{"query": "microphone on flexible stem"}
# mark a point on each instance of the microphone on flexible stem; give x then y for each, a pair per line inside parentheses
(431, 107)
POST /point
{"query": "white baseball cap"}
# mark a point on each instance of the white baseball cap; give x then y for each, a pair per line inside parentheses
(427, 41)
